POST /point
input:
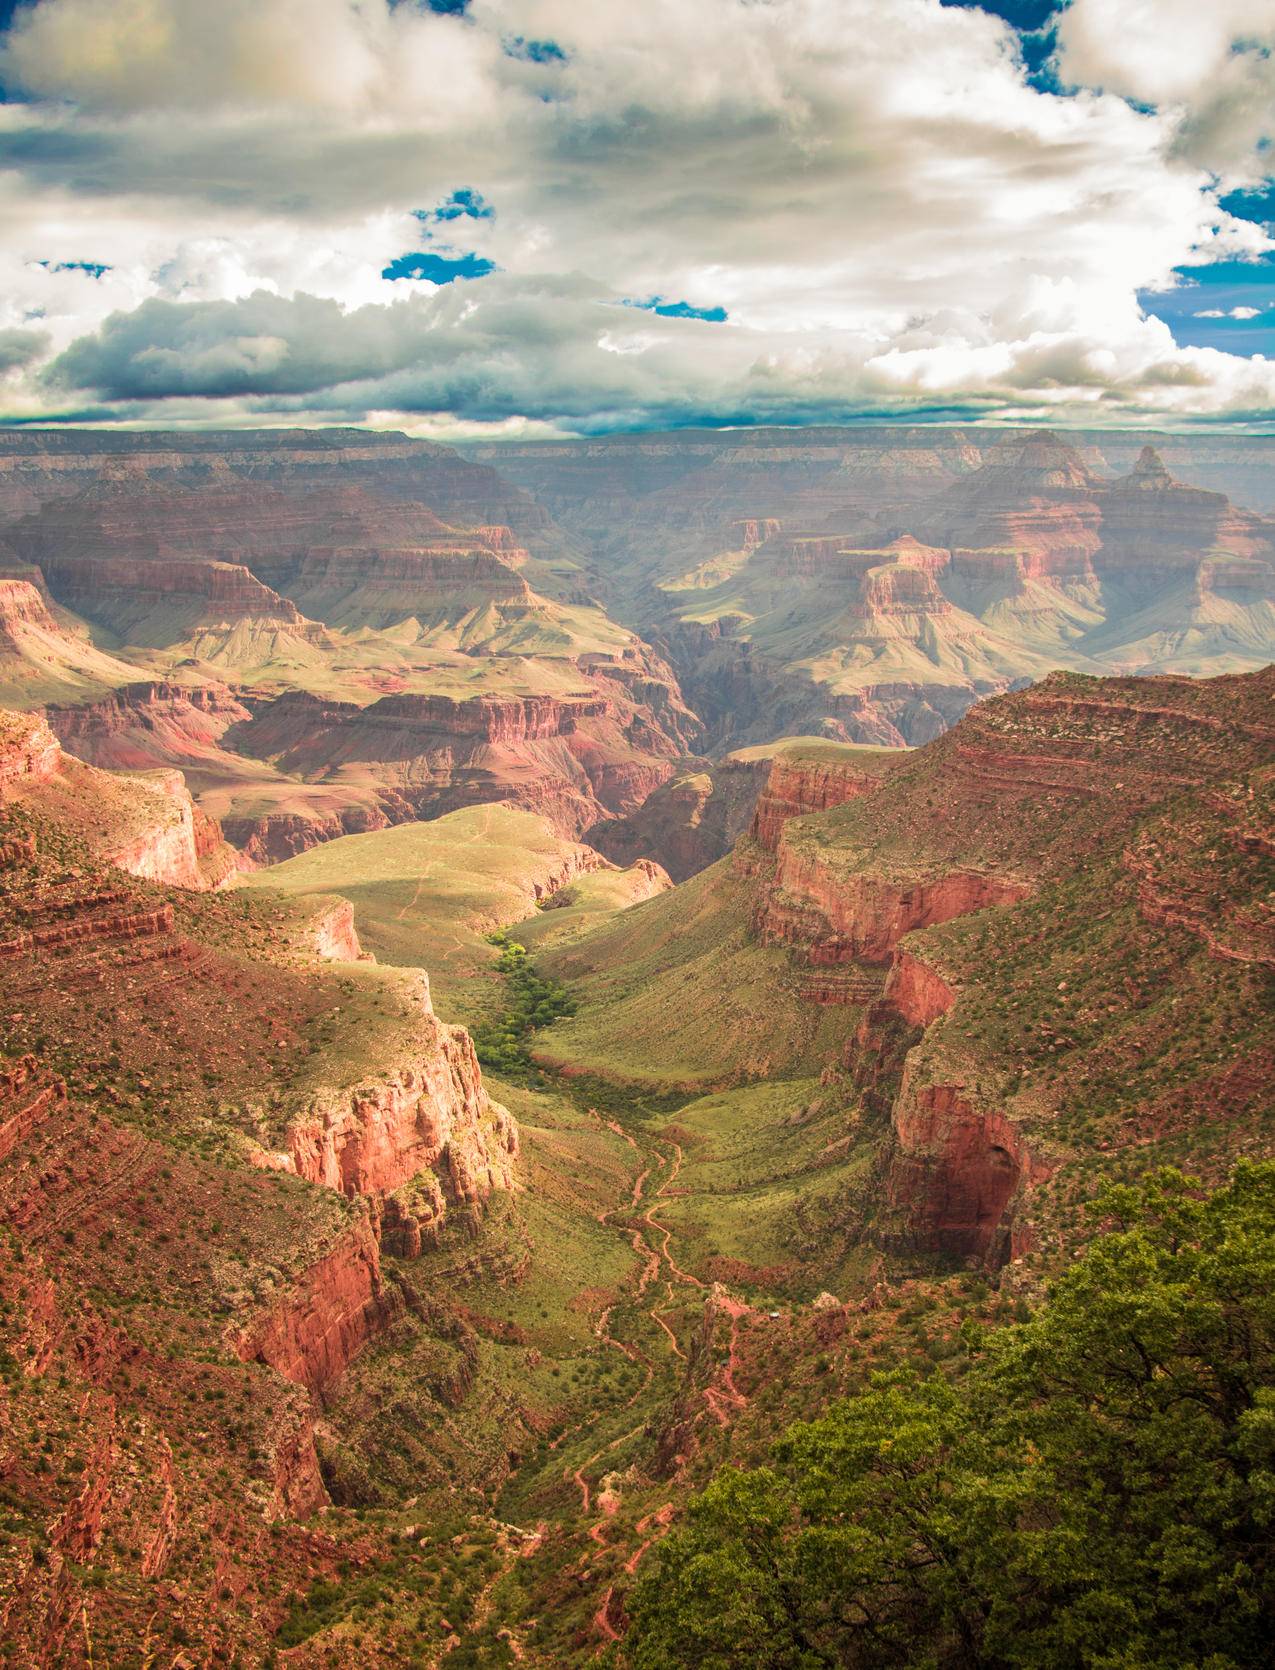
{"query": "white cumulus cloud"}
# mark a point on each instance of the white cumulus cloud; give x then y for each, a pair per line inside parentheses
(889, 212)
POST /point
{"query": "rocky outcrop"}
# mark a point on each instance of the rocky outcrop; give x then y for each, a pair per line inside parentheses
(27, 1092)
(148, 825)
(22, 607)
(273, 837)
(296, 1484)
(830, 918)
(572, 759)
(429, 1124)
(376, 1137)
(317, 1327)
(379, 587)
(689, 822)
(149, 724)
(79, 1529)
(798, 785)
(29, 752)
(335, 935)
(156, 604)
(752, 531)
(180, 846)
(43, 655)
(960, 1173)
(917, 991)
(92, 918)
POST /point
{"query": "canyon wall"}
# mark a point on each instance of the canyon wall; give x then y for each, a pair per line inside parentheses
(872, 585)
(147, 825)
(571, 759)
(798, 784)
(829, 917)
(958, 1173)
(328, 1314)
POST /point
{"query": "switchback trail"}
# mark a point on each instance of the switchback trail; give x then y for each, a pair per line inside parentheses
(651, 1241)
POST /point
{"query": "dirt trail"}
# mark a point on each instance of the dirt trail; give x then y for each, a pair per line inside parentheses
(684, 1276)
(726, 1400)
(651, 1241)
(652, 1526)
(602, 1618)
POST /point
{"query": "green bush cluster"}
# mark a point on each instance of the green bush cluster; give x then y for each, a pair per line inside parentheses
(1096, 1493)
(531, 1002)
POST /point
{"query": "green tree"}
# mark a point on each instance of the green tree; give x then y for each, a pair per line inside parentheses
(1098, 1492)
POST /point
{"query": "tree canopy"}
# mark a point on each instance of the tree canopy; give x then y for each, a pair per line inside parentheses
(1097, 1491)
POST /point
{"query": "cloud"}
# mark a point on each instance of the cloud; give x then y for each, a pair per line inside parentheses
(20, 348)
(1211, 64)
(305, 56)
(852, 204)
(563, 351)
(1228, 313)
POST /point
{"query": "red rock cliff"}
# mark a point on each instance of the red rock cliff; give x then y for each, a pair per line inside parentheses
(832, 918)
(797, 786)
(325, 1317)
(429, 1122)
(916, 991)
(29, 752)
(959, 1172)
(572, 759)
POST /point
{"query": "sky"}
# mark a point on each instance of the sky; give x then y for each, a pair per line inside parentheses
(525, 218)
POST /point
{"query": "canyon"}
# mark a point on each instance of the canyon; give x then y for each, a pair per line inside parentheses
(870, 585)
(193, 572)
(525, 969)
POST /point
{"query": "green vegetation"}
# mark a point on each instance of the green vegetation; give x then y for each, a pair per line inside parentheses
(425, 895)
(1096, 1491)
(532, 1002)
(647, 978)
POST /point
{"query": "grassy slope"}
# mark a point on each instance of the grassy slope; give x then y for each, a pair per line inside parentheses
(819, 748)
(588, 902)
(674, 993)
(54, 660)
(426, 894)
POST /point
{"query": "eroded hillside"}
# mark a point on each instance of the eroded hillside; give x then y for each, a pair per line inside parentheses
(872, 584)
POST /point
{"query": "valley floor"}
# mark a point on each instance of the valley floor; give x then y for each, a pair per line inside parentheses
(609, 1342)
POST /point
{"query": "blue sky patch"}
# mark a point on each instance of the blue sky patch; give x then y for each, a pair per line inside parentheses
(1228, 305)
(438, 269)
(464, 204)
(681, 310)
(1254, 205)
(94, 269)
(534, 52)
